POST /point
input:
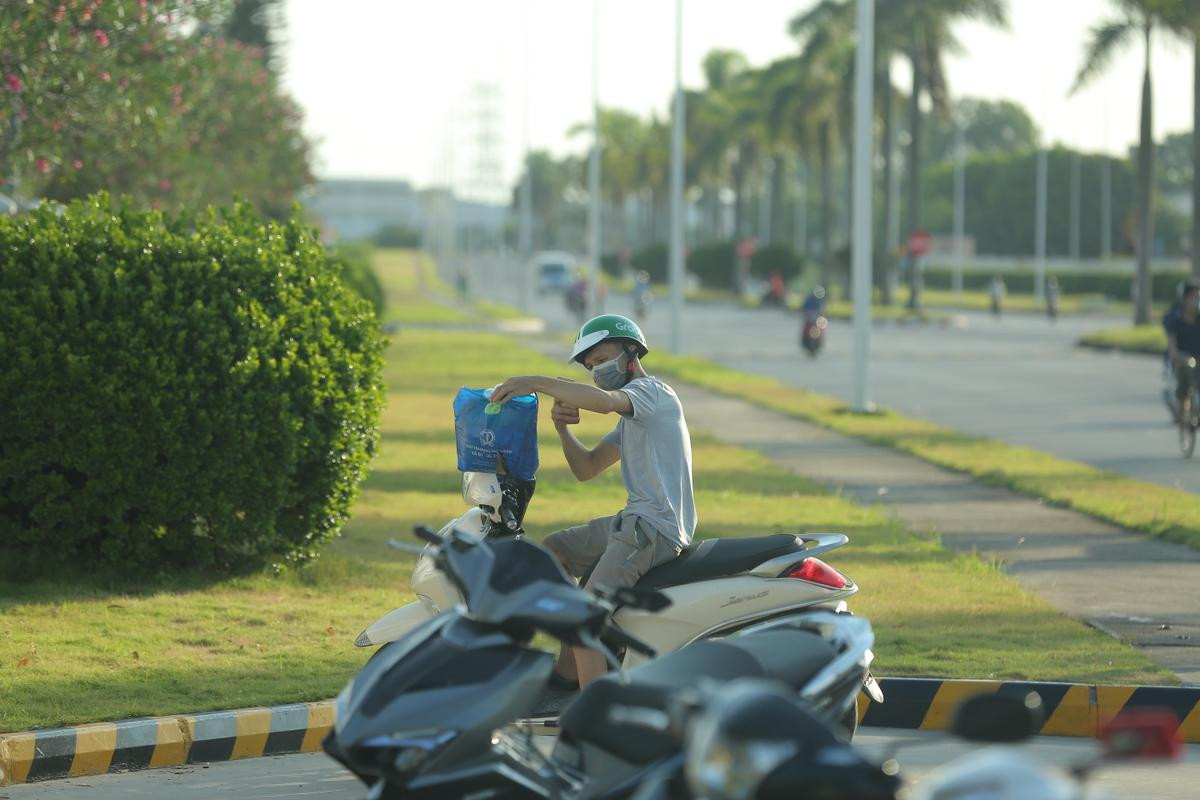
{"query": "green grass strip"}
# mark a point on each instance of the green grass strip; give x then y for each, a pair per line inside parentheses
(1136, 505)
(1149, 339)
(86, 648)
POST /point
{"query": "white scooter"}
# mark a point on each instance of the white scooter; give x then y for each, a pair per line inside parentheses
(716, 586)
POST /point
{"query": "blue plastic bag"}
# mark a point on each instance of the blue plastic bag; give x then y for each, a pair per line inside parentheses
(483, 428)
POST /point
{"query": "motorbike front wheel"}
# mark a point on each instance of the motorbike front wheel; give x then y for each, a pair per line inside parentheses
(1188, 423)
(849, 721)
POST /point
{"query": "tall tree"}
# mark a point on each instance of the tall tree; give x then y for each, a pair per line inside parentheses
(922, 30)
(1135, 19)
(808, 95)
(254, 23)
(1183, 17)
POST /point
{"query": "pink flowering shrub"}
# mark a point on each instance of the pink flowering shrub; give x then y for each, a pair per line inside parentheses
(147, 104)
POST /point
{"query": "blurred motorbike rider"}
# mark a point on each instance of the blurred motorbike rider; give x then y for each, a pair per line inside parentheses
(651, 441)
(1183, 337)
(814, 304)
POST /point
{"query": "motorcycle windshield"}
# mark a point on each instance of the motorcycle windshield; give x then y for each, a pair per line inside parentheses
(516, 583)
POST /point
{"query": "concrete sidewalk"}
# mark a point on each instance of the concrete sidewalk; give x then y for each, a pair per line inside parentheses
(1140, 589)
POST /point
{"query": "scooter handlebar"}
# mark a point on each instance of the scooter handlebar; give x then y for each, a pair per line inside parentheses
(632, 642)
(508, 517)
(427, 535)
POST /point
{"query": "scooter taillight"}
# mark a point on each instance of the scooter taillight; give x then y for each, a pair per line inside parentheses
(814, 570)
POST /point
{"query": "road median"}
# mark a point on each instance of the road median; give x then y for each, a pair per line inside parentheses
(1172, 514)
(152, 743)
(1143, 339)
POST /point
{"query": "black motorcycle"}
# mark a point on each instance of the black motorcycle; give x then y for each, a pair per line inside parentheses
(753, 740)
(812, 332)
(438, 713)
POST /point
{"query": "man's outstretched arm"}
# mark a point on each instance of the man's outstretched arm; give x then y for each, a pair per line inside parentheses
(579, 395)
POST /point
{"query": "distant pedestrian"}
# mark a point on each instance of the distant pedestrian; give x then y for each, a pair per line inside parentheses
(463, 284)
(1052, 298)
(997, 291)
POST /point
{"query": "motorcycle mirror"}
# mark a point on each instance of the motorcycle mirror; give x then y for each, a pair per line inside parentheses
(1142, 733)
(996, 718)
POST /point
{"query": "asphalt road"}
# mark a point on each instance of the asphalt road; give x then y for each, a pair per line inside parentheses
(315, 776)
(1019, 378)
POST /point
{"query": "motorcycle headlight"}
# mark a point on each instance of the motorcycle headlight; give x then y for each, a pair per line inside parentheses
(406, 752)
(719, 768)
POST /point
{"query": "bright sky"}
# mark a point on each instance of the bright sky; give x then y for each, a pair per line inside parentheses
(385, 83)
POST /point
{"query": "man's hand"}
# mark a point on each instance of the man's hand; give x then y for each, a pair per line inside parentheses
(516, 387)
(563, 414)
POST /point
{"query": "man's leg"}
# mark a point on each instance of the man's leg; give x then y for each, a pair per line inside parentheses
(634, 548)
(577, 549)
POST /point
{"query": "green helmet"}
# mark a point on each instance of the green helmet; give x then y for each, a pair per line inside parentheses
(605, 327)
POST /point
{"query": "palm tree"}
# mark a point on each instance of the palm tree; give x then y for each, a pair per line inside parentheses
(803, 94)
(719, 127)
(922, 30)
(1135, 18)
(1183, 18)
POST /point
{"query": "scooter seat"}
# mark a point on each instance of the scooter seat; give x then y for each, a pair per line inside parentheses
(717, 558)
(787, 655)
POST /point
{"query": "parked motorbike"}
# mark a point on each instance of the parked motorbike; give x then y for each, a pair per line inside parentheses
(715, 586)
(432, 714)
(752, 739)
(812, 332)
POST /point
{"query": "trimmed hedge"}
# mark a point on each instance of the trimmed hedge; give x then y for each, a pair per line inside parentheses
(776, 257)
(1117, 286)
(653, 259)
(178, 392)
(713, 264)
(353, 261)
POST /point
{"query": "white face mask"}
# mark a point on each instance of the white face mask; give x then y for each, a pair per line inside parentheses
(612, 374)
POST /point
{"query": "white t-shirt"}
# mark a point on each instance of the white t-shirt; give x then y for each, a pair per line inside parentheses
(656, 459)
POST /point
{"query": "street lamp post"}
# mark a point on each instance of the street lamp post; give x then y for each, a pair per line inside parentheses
(525, 235)
(594, 166)
(801, 218)
(677, 207)
(960, 168)
(864, 71)
(1039, 260)
(1076, 199)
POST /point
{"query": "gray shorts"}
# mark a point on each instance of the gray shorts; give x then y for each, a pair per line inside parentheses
(622, 547)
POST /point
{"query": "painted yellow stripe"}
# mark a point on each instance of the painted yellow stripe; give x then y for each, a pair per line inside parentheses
(320, 722)
(94, 746)
(1075, 715)
(1111, 699)
(253, 728)
(1189, 726)
(946, 701)
(863, 703)
(172, 740)
(16, 757)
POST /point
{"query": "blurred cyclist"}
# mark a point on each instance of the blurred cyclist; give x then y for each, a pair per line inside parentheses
(1183, 341)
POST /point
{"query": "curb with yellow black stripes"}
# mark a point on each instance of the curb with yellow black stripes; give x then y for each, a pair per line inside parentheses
(1072, 709)
(163, 742)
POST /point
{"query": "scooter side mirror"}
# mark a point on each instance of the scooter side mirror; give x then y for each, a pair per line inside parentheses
(997, 719)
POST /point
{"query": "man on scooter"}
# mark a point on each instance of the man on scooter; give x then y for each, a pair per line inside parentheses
(1183, 340)
(651, 441)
